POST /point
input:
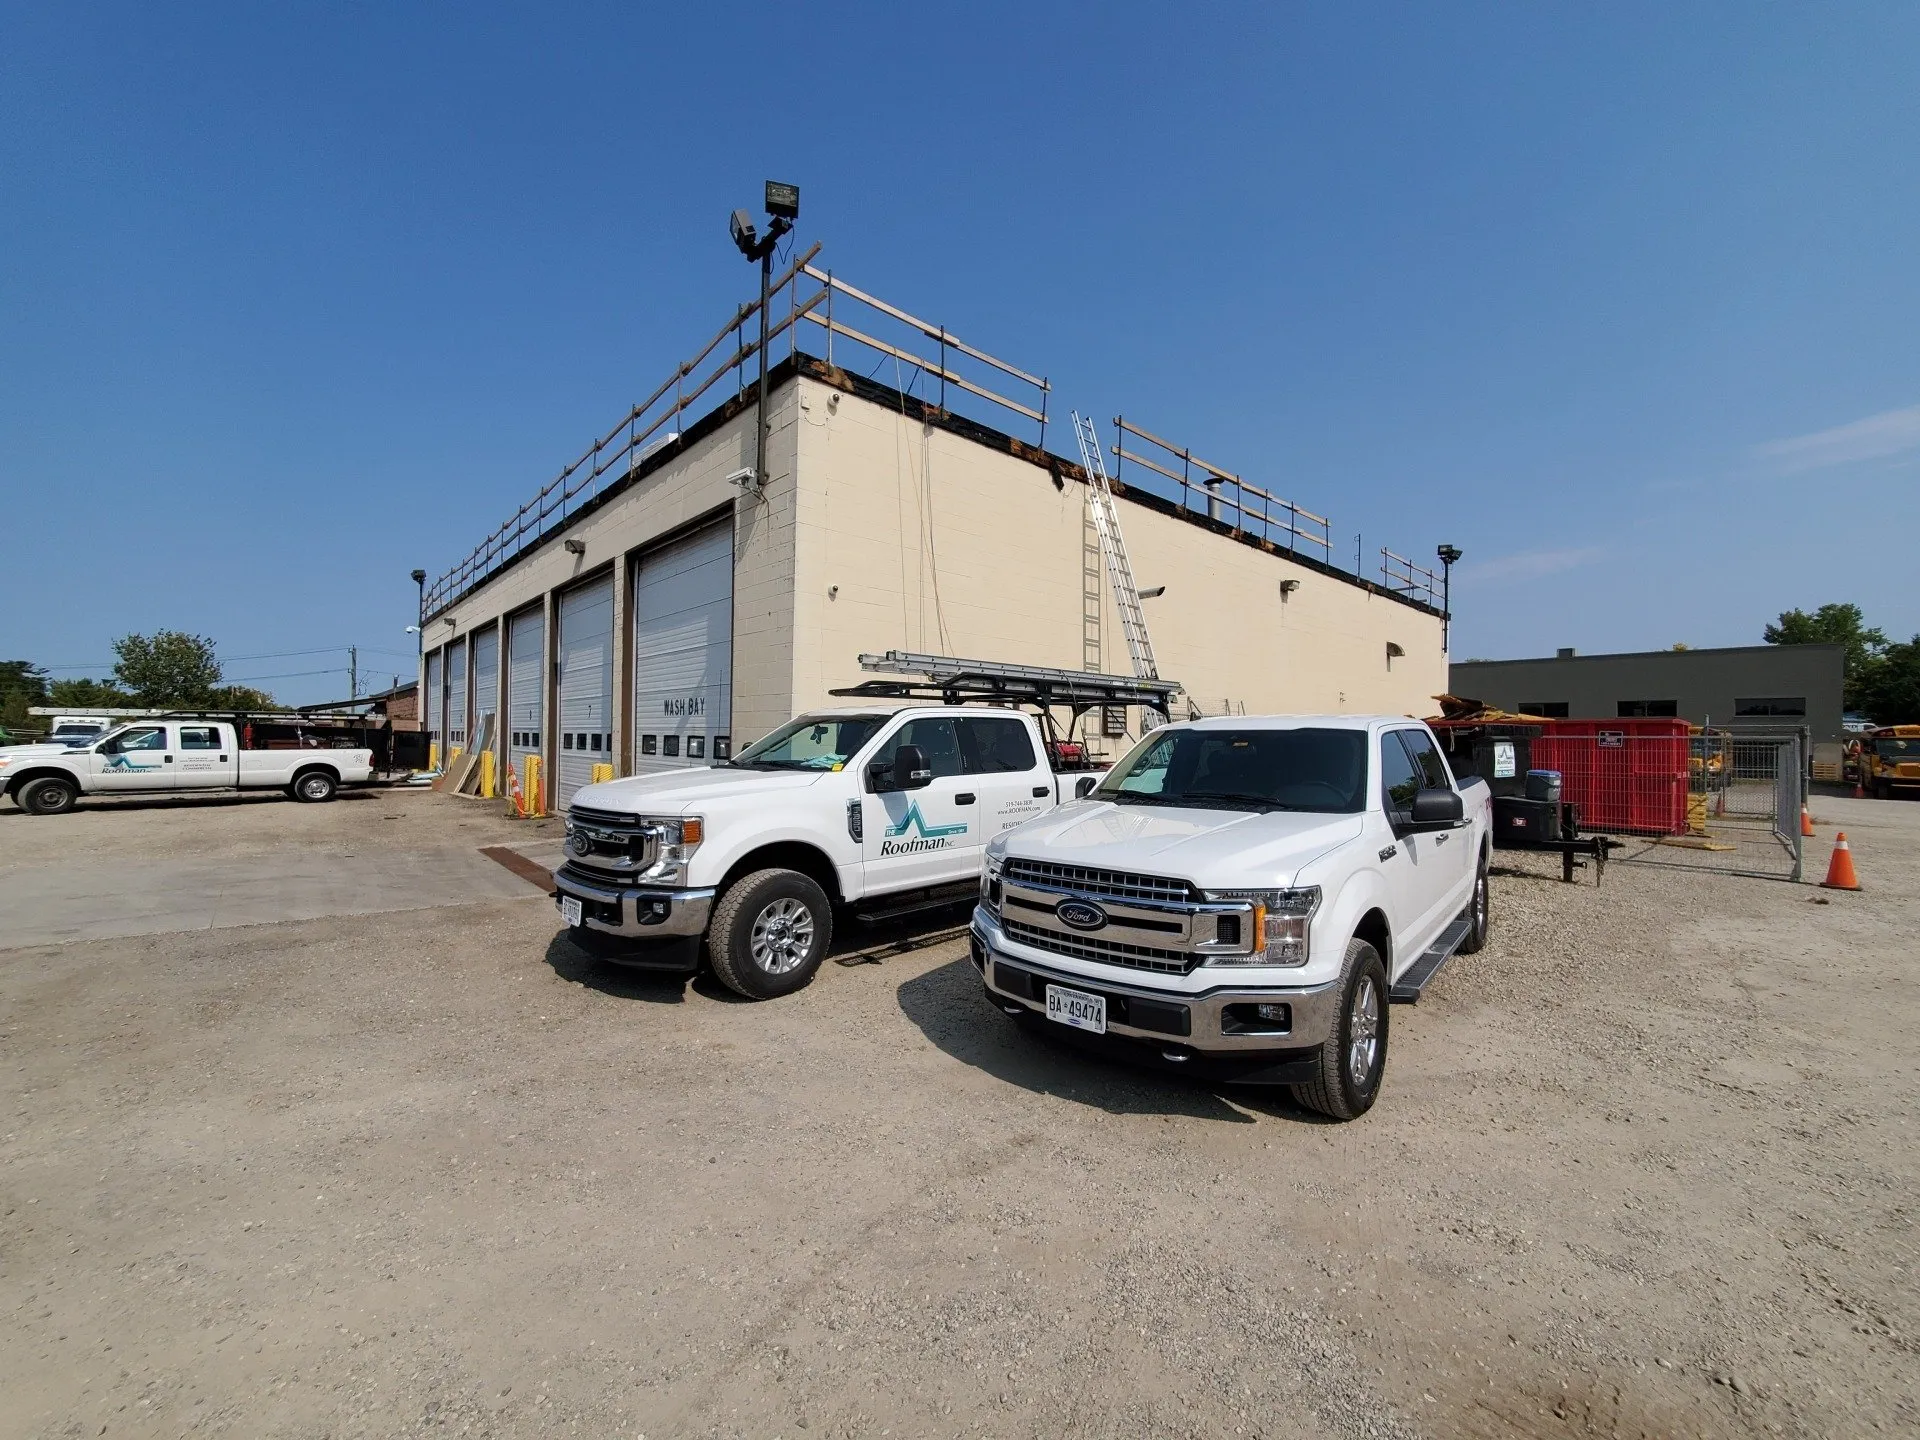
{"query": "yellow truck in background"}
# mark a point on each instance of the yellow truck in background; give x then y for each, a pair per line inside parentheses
(1890, 760)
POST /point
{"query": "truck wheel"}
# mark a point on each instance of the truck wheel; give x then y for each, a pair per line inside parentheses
(769, 933)
(1883, 790)
(51, 796)
(314, 786)
(1479, 913)
(1354, 1058)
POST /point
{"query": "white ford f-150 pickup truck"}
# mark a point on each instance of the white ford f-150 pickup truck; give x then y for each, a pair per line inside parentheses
(879, 812)
(170, 756)
(1242, 897)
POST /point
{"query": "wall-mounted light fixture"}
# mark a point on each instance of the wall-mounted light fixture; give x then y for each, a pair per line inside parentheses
(748, 479)
(1154, 594)
(1394, 652)
(1287, 587)
(575, 547)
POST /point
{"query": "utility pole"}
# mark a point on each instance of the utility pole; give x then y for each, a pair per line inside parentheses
(353, 672)
(783, 208)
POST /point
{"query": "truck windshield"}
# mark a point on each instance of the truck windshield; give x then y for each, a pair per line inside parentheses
(811, 743)
(1305, 769)
(1890, 748)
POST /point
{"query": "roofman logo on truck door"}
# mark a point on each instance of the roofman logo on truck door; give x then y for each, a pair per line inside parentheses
(932, 837)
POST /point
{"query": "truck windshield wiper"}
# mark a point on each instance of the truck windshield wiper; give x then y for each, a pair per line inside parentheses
(1199, 798)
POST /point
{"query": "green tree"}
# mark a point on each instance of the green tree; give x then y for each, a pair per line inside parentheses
(1844, 625)
(1891, 691)
(168, 668)
(22, 683)
(86, 695)
(239, 697)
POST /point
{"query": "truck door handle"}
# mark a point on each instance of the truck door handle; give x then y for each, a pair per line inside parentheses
(965, 798)
(1442, 838)
(1040, 792)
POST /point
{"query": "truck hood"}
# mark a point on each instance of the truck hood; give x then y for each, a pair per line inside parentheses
(1213, 849)
(14, 754)
(674, 791)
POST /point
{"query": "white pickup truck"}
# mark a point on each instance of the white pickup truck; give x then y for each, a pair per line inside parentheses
(874, 811)
(166, 756)
(1242, 897)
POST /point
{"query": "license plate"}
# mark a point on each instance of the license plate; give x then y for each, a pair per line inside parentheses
(1077, 1008)
(570, 910)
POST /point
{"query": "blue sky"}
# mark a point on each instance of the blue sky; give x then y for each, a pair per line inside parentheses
(1622, 300)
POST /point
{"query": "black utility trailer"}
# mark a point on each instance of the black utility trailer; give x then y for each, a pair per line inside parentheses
(1528, 813)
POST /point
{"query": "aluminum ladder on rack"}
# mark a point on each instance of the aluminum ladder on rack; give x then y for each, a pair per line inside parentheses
(1106, 520)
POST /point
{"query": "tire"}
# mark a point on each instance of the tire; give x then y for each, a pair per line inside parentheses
(315, 787)
(1883, 790)
(1479, 913)
(1337, 1091)
(769, 933)
(49, 796)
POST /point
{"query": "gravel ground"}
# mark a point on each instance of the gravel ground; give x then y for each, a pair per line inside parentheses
(1642, 1167)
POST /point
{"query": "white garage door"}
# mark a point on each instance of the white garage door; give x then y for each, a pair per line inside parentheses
(586, 686)
(526, 686)
(486, 678)
(436, 728)
(457, 696)
(683, 652)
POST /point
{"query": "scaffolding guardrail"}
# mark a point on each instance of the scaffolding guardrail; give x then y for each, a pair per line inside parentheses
(1403, 577)
(805, 293)
(1254, 510)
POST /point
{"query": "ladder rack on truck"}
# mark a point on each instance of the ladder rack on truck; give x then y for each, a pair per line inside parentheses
(950, 680)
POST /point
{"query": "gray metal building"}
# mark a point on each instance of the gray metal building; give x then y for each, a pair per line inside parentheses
(1748, 687)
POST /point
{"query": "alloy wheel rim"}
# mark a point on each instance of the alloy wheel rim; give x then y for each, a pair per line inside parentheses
(1480, 902)
(1363, 1031)
(315, 787)
(782, 936)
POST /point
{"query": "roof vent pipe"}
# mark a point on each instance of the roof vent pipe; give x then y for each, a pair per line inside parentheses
(1565, 652)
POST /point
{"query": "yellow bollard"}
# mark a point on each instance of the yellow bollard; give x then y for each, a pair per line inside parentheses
(433, 755)
(602, 773)
(486, 775)
(536, 802)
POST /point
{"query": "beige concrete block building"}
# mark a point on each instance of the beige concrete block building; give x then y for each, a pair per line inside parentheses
(675, 613)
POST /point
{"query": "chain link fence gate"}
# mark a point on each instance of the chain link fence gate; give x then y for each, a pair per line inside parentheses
(1742, 816)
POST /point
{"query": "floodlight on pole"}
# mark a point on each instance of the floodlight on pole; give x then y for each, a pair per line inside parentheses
(1448, 554)
(783, 208)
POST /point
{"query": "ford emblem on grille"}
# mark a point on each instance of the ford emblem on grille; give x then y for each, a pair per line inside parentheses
(582, 843)
(1081, 914)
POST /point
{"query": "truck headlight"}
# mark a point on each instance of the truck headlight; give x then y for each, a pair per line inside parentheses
(990, 882)
(1282, 926)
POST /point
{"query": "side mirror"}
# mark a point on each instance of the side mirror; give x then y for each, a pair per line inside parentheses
(910, 769)
(1436, 809)
(1084, 786)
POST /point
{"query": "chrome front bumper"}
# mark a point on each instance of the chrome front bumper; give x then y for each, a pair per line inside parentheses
(1313, 1010)
(637, 912)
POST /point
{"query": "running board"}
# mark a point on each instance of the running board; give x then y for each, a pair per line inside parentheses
(1408, 988)
(940, 900)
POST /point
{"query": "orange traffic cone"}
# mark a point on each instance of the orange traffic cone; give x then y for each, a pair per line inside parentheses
(1840, 874)
(1806, 821)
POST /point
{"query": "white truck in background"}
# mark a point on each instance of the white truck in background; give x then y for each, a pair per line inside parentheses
(1241, 898)
(170, 756)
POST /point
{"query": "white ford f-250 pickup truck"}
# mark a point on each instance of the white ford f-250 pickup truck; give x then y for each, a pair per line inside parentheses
(1242, 897)
(168, 756)
(869, 810)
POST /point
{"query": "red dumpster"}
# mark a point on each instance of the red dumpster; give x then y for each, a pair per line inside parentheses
(1628, 776)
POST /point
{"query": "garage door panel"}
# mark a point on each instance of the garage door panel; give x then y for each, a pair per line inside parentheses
(586, 687)
(683, 652)
(457, 695)
(436, 728)
(486, 676)
(526, 685)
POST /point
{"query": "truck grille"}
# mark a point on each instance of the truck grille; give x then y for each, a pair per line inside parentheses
(609, 842)
(1105, 952)
(1114, 884)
